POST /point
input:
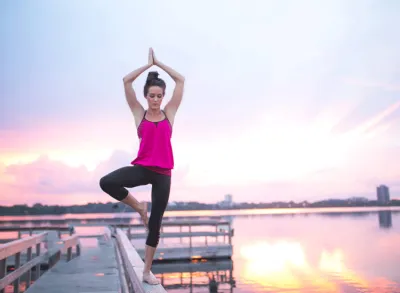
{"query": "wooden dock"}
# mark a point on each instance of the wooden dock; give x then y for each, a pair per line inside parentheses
(95, 270)
(216, 244)
(177, 251)
(113, 266)
(21, 270)
(116, 263)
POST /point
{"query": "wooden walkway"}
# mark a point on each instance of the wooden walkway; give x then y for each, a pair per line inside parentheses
(95, 270)
(114, 265)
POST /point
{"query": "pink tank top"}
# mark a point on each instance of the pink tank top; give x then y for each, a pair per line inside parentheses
(155, 150)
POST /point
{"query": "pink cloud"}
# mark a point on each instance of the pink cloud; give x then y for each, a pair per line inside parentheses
(50, 177)
(53, 182)
(64, 135)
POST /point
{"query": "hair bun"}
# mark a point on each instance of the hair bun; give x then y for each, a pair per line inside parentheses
(152, 75)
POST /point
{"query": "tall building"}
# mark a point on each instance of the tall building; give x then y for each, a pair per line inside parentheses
(227, 202)
(228, 198)
(382, 194)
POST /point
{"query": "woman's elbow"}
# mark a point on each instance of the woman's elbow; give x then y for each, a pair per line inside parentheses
(180, 79)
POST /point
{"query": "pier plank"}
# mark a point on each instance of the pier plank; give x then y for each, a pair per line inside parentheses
(95, 270)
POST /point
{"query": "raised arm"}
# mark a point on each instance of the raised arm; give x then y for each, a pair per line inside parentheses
(135, 106)
(172, 106)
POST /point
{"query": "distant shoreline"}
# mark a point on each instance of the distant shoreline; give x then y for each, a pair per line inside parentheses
(105, 208)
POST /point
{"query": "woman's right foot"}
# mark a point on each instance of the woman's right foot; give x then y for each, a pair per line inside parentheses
(143, 214)
(149, 278)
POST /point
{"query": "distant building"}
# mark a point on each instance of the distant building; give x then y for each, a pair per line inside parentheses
(382, 194)
(227, 202)
(358, 199)
(228, 198)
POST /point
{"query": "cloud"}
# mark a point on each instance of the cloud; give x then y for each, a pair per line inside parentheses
(50, 177)
(368, 115)
(46, 181)
(50, 181)
(371, 84)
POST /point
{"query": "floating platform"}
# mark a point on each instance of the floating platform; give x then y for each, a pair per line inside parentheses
(179, 251)
(194, 266)
(214, 244)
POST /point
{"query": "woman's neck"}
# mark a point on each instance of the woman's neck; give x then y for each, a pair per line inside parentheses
(154, 112)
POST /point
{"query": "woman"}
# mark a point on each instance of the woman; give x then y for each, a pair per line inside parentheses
(154, 160)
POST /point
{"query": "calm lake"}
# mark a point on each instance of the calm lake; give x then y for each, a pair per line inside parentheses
(343, 250)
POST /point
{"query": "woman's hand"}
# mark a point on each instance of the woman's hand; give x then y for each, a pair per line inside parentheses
(151, 57)
(155, 60)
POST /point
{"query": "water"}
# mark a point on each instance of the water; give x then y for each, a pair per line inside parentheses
(300, 252)
(318, 253)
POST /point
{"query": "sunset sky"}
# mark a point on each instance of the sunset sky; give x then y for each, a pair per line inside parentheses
(284, 100)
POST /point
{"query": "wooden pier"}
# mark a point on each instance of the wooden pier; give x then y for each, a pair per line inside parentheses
(214, 244)
(51, 258)
(95, 270)
(71, 268)
(15, 248)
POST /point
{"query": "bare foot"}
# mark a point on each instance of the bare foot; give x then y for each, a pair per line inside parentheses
(143, 214)
(150, 279)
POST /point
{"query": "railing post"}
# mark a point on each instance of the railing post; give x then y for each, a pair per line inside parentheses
(69, 253)
(230, 233)
(37, 275)
(78, 249)
(29, 273)
(17, 264)
(190, 240)
(3, 270)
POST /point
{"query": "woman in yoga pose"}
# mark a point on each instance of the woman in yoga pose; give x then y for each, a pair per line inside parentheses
(155, 159)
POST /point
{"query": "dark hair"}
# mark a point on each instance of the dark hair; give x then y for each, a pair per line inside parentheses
(153, 80)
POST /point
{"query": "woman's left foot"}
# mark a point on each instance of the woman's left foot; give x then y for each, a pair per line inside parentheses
(143, 214)
(149, 278)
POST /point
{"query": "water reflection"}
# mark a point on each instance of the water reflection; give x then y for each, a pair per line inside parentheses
(209, 276)
(282, 266)
(341, 252)
(385, 219)
(305, 252)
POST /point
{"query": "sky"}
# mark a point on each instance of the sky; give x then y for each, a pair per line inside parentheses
(284, 100)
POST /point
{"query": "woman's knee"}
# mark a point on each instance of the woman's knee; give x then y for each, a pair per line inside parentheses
(106, 183)
(111, 186)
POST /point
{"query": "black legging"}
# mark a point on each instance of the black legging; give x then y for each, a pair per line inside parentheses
(115, 182)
